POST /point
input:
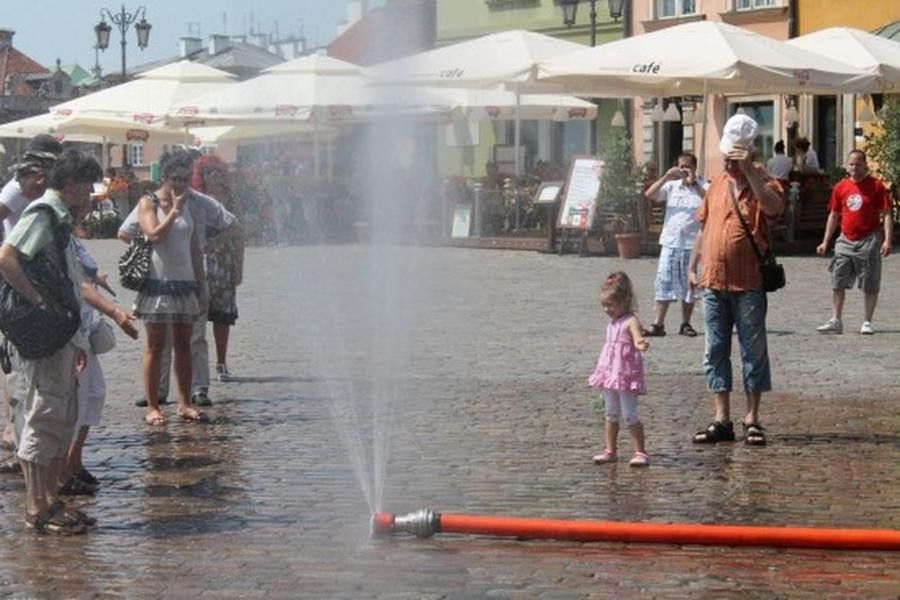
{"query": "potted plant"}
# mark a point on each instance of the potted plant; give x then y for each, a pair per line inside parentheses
(619, 198)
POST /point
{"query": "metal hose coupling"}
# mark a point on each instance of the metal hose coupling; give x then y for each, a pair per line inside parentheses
(421, 523)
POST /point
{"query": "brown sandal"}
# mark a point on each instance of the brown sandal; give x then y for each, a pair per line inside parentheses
(55, 520)
(655, 330)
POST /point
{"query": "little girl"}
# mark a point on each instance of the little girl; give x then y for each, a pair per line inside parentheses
(620, 369)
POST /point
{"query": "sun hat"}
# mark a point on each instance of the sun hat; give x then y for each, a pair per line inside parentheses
(739, 129)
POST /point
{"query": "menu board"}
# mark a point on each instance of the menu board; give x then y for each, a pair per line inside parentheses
(579, 201)
(548, 193)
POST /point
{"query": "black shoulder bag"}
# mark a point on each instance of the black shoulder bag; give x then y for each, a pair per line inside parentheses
(772, 273)
(37, 332)
(134, 264)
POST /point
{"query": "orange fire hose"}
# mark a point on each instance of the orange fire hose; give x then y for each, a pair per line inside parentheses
(425, 523)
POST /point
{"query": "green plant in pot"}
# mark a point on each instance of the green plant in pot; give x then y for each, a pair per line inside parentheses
(619, 198)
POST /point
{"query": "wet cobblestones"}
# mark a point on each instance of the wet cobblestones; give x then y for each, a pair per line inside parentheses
(480, 407)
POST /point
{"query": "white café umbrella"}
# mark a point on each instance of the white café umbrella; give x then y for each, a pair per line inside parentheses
(57, 126)
(702, 57)
(151, 95)
(310, 93)
(870, 54)
(506, 58)
(484, 105)
(136, 110)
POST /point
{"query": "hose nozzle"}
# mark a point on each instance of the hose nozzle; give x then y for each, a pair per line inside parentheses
(421, 523)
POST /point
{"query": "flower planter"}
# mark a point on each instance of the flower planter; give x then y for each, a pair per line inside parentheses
(629, 245)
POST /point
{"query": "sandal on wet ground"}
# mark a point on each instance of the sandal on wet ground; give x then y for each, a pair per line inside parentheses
(196, 416)
(55, 520)
(10, 467)
(77, 487)
(87, 477)
(81, 516)
(640, 459)
(655, 330)
(687, 330)
(607, 456)
(754, 434)
(717, 431)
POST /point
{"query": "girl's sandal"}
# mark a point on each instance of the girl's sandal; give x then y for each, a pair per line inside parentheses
(607, 456)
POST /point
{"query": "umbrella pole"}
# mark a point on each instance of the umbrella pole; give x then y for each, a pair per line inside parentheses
(329, 146)
(316, 149)
(703, 128)
(518, 134)
(518, 162)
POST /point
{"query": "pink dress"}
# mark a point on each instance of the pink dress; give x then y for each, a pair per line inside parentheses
(620, 366)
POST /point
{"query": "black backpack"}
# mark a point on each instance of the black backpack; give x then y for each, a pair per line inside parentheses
(39, 332)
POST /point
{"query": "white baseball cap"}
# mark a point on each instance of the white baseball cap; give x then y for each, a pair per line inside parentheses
(739, 129)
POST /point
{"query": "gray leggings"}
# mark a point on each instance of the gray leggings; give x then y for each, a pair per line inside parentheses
(621, 404)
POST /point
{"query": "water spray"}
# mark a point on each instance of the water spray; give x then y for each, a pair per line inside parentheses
(426, 523)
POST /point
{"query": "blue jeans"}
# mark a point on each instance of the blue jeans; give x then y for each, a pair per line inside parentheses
(722, 312)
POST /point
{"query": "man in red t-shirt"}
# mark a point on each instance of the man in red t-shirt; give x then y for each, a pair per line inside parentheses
(861, 206)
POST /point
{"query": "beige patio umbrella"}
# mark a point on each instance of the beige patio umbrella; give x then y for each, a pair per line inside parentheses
(136, 110)
(311, 93)
(151, 95)
(506, 58)
(701, 57)
(871, 54)
(868, 53)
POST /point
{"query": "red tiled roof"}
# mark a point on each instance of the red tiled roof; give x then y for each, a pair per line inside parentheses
(386, 33)
(13, 62)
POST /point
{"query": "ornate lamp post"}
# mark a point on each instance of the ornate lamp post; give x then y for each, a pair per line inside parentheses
(123, 20)
(616, 8)
(570, 9)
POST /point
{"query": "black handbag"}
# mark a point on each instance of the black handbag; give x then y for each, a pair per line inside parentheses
(35, 331)
(772, 273)
(134, 264)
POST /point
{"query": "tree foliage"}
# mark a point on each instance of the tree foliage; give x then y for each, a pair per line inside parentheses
(883, 147)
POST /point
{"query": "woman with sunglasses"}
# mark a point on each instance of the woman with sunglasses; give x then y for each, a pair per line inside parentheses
(175, 291)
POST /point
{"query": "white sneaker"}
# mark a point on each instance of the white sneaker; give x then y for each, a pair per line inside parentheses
(831, 326)
(867, 328)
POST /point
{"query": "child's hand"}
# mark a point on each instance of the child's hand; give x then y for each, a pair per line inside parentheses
(642, 345)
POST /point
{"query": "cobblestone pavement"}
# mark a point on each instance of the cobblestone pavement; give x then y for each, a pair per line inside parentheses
(455, 379)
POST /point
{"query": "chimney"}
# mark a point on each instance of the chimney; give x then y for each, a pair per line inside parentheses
(189, 45)
(6, 36)
(219, 43)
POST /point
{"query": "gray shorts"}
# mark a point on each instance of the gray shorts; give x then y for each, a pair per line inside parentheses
(858, 262)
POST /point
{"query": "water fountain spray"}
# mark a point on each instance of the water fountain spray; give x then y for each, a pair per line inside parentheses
(426, 523)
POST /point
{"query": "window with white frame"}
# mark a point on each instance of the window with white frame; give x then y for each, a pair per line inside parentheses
(675, 8)
(136, 154)
(754, 4)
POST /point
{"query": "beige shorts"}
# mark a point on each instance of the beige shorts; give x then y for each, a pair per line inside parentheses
(45, 405)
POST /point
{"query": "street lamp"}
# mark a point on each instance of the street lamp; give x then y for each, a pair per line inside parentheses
(123, 20)
(570, 10)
